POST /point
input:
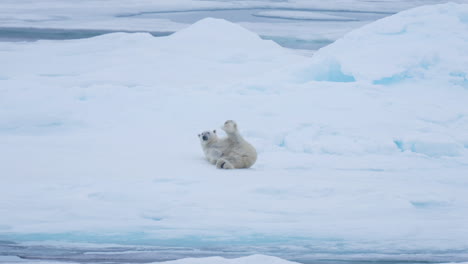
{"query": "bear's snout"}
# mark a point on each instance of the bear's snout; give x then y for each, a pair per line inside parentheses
(205, 138)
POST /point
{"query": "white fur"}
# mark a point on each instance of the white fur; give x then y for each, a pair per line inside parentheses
(231, 152)
(237, 152)
(213, 147)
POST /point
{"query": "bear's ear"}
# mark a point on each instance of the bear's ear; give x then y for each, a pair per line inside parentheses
(214, 131)
(198, 135)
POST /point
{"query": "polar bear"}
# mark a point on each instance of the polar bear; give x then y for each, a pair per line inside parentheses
(236, 151)
(212, 146)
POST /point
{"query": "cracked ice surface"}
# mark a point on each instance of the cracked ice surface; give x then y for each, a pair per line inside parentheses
(99, 140)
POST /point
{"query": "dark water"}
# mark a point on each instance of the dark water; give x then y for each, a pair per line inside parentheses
(117, 254)
(33, 34)
(191, 16)
(250, 15)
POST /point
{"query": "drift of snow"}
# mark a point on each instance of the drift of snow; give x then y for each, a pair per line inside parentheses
(99, 140)
(219, 37)
(426, 43)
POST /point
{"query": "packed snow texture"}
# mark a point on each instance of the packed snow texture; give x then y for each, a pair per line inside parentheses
(426, 43)
(362, 148)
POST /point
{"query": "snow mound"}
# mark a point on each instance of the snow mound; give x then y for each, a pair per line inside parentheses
(211, 35)
(424, 43)
(254, 259)
(431, 146)
(216, 29)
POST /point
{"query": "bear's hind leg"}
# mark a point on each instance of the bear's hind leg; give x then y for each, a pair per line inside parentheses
(224, 164)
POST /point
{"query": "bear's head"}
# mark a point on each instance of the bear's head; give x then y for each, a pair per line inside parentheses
(230, 126)
(208, 136)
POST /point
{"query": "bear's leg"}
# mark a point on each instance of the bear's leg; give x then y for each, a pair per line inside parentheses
(224, 164)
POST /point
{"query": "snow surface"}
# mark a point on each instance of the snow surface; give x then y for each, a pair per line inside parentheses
(426, 43)
(99, 139)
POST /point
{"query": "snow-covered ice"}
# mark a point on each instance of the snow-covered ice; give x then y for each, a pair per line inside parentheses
(55, 19)
(363, 148)
(424, 44)
(302, 15)
(245, 260)
(253, 259)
